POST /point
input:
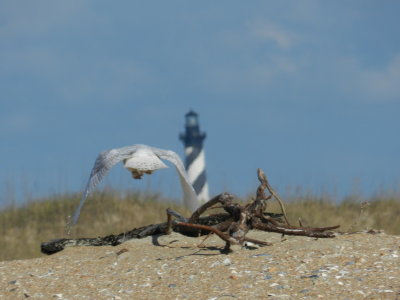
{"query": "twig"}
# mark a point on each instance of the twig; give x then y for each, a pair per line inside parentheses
(263, 178)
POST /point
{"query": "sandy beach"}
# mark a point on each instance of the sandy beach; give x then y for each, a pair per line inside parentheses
(351, 266)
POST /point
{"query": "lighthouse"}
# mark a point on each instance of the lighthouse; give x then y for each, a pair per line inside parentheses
(194, 155)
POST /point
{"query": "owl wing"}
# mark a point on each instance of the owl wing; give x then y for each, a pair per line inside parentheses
(104, 162)
(189, 195)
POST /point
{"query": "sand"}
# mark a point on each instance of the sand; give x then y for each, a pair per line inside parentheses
(352, 266)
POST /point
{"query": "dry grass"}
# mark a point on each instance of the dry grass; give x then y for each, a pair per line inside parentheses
(353, 213)
(110, 212)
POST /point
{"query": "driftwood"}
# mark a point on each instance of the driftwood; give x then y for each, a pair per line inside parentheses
(231, 226)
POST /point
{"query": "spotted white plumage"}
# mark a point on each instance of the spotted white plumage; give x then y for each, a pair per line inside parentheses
(138, 159)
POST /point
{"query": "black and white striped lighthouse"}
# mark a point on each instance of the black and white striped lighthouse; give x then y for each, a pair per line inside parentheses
(194, 153)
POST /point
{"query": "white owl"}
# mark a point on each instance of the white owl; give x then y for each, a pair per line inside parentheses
(139, 160)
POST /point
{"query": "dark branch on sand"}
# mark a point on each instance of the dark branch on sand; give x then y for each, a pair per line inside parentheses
(231, 226)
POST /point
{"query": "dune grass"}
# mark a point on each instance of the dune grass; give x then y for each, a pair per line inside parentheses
(110, 212)
(353, 213)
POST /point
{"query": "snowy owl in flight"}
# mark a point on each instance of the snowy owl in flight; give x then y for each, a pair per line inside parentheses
(139, 160)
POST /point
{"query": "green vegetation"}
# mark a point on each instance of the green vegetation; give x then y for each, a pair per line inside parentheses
(110, 212)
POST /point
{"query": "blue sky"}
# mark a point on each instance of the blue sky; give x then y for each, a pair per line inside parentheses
(309, 91)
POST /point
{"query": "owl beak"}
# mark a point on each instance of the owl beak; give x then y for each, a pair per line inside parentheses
(136, 174)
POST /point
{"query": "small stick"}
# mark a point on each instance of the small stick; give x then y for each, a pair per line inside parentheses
(222, 235)
(168, 229)
(202, 242)
(302, 231)
(263, 177)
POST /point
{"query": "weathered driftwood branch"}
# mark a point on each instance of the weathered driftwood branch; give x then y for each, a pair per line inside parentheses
(231, 226)
(251, 216)
(56, 245)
